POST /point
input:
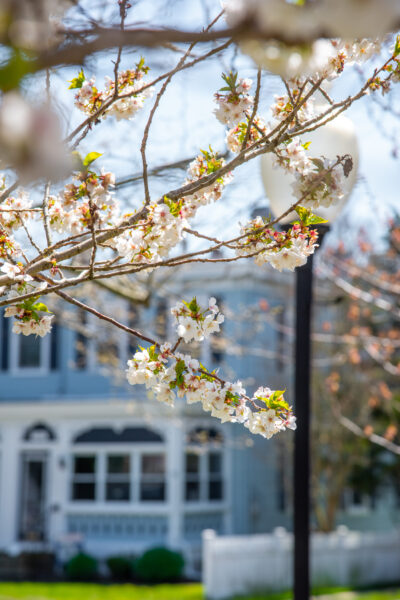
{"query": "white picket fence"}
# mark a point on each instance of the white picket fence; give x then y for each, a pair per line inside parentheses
(239, 565)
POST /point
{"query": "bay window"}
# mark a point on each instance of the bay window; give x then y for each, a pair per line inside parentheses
(128, 476)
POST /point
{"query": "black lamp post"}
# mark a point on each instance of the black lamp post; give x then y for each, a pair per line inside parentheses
(301, 459)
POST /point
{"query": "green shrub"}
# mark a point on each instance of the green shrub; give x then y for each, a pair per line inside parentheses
(160, 564)
(121, 567)
(81, 566)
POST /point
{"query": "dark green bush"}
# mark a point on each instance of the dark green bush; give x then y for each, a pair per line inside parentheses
(159, 564)
(81, 566)
(121, 567)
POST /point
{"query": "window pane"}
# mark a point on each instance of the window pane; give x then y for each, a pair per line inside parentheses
(192, 463)
(153, 464)
(29, 351)
(85, 464)
(84, 491)
(118, 492)
(192, 491)
(215, 490)
(152, 491)
(118, 464)
(215, 462)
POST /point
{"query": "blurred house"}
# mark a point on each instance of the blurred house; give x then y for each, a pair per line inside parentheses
(88, 459)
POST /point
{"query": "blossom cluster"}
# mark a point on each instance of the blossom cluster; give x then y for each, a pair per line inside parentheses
(163, 227)
(234, 104)
(194, 323)
(13, 213)
(9, 247)
(15, 210)
(285, 107)
(322, 186)
(168, 374)
(318, 181)
(28, 320)
(130, 86)
(282, 250)
(86, 202)
(15, 271)
(235, 137)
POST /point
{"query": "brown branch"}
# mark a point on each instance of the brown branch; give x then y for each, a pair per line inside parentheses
(100, 315)
(373, 437)
(254, 112)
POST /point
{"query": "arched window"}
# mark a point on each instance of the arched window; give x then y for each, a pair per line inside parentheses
(204, 465)
(108, 435)
(39, 432)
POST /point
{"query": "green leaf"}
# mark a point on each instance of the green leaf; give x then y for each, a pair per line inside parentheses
(193, 306)
(397, 46)
(91, 157)
(315, 220)
(276, 400)
(318, 163)
(41, 306)
(306, 145)
(77, 82)
(174, 206)
(303, 213)
(152, 352)
(140, 66)
(180, 368)
(307, 217)
(233, 399)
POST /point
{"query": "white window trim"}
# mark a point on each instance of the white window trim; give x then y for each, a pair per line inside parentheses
(135, 455)
(42, 369)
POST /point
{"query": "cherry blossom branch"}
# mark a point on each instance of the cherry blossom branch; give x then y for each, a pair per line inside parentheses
(93, 118)
(357, 430)
(364, 275)
(363, 295)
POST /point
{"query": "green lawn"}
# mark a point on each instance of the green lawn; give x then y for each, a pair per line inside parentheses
(77, 591)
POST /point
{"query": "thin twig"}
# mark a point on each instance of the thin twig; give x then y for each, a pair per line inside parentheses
(45, 210)
(104, 317)
(254, 112)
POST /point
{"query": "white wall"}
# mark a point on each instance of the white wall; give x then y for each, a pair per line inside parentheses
(235, 565)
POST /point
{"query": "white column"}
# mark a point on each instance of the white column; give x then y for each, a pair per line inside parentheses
(175, 474)
(10, 485)
(58, 483)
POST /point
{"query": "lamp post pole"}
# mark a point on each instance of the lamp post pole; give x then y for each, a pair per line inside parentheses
(301, 462)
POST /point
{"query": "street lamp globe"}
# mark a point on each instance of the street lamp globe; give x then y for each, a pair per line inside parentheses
(336, 138)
